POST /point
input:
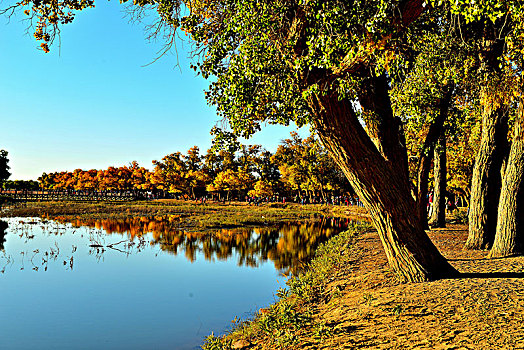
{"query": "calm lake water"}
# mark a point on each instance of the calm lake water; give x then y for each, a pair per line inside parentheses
(137, 283)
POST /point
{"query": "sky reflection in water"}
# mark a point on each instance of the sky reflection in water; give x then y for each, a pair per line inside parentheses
(137, 283)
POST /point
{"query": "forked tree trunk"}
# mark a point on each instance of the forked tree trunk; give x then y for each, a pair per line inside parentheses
(382, 183)
(438, 214)
(508, 237)
(486, 182)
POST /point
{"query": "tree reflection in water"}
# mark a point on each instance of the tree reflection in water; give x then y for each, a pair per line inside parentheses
(3, 227)
(289, 245)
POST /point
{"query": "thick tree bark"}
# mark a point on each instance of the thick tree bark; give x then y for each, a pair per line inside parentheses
(436, 129)
(486, 182)
(383, 187)
(508, 238)
(438, 214)
(384, 130)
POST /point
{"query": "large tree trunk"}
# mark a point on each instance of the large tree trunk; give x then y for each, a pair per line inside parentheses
(375, 163)
(508, 238)
(438, 215)
(486, 182)
(436, 129)
(379, 177)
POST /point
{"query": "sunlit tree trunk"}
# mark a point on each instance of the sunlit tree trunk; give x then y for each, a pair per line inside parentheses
(487, 181)
(322, 194)
(380, 178)
(438, 215)
(508, 238)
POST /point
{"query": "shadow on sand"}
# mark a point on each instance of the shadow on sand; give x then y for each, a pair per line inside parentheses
(491, 275)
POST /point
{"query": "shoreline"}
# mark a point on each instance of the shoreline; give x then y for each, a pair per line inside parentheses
(190, 215)
(361, 305)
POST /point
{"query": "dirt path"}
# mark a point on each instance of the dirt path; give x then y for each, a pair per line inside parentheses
(482, 310)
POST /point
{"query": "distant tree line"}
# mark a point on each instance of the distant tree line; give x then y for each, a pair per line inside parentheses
(300, 168)
(20, 185)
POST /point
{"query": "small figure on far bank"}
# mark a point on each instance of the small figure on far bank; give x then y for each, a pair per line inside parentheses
(430, 203)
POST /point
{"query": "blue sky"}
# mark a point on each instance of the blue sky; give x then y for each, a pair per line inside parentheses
(94, 101)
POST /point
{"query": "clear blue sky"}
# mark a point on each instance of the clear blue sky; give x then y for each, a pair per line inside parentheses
(93, 102)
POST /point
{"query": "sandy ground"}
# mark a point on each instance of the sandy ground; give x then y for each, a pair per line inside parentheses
(483, 309)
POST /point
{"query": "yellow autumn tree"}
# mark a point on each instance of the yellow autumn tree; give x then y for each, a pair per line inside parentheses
(230, 180)
(261, 188)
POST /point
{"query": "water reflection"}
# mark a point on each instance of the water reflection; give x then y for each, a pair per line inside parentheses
(158, 287)
(289, 245)
(3, 226)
